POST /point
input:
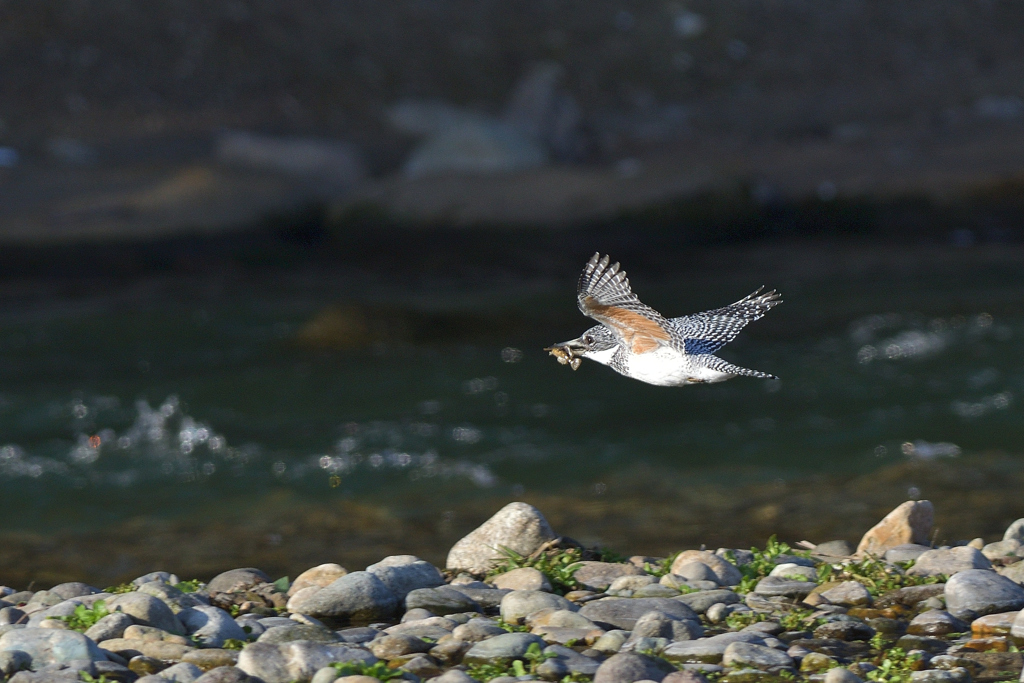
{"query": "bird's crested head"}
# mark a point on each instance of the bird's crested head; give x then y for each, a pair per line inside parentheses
(598, 343)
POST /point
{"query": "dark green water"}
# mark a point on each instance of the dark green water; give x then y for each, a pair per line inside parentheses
(162, 395)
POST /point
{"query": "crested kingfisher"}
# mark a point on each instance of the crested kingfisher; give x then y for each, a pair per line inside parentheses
(637, 341)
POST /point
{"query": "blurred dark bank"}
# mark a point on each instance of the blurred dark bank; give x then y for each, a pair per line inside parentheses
(275, 279)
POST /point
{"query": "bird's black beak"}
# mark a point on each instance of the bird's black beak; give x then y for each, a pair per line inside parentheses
(568, 353)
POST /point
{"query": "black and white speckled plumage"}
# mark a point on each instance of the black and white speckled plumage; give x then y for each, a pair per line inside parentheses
(637, 341)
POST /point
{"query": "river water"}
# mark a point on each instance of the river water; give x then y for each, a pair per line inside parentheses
(241, 396)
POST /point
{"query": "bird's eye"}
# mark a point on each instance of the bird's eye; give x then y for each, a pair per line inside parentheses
(588, 339)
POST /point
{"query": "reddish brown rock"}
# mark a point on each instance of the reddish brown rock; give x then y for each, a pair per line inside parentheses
(911, 522)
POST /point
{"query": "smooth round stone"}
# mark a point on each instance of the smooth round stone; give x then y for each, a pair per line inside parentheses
(318, 577)
(949, 561)
(146, 610)
(454, 676)
(475, 630)
(358, 596)
(417, 614)
(956, 675)
(815, 661)
(841, 675)
(517, 526)
(695, 570)
(1014, 572)
(755, 656)
(485, 597)
(50, 646)
(708, 650)
(623, 612)
(977, 592)
(73, 589)
(328, 674)
(560, 618)
(630, 666)
(403, 574)
(598, 576)
(143, 665)
(700, 602)
(727, 574)
(237, 580)
(517, 605)
(629, 583)
(389, 647)
(208, 659)
(210, 626)
(833, 549)
(611, 641)
(12, 615)
(14, 660)
(1001, 549)
(685, 676)
(297, 660)
(844, 630)
(296, 631)
(522, 579)
(506, 646)
(441, 601)
(935, 623)
(848, 593)
(656, 590)
(783, 587)
(171, 596)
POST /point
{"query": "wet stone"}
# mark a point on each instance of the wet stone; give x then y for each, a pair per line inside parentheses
(977, 592)
(935, 623)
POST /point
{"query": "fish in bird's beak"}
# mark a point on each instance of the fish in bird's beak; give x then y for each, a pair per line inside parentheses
(568, 353)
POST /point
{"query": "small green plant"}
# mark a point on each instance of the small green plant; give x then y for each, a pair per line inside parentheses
(86, 677)
(534, 657)
(558, 566)
(763, 563)
(740, 620)
(380, 670)
(799, 620)
(605, 555)
(190, 586)
(877, 576)
(283, 584)
(663, 567)
(511, 628)
(895, 666)
(120, 588)
(83, 618)
(233, 644)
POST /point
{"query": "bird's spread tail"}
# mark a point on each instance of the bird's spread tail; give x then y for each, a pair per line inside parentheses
(716, 363)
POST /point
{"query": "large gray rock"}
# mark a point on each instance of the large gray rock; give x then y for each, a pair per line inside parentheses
(73, 589)
(629, 667)
(46, 646)
(709, 650)
(485, 597)
(518, 605)
(441, 601)
(297, 660)
(147, 611)
(1014, 572)
(784, 586)
(905, 552)
(174, 598)
(623, 612)
(475, 630)
(517, 526)
(454, 676)
(949, 561)
(359, 596)
(506, 646)
(911, 522)
(848, 593)
(210, 626)
(295, 631)
(976, 592)
(1015, 532)
(751, 655)
(110, 626)
(523, 579)
(574, 662)
(598, 576)
(225, 674)
(656, 624)
(727, 573)
(700, 601)
(61, 609)
(236, 580)
(182, 672)
(406, 573)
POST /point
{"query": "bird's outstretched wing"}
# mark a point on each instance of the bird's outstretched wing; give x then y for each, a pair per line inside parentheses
(603, 294)
(711, 330)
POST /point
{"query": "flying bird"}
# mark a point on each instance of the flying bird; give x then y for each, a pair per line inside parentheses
(637, 341)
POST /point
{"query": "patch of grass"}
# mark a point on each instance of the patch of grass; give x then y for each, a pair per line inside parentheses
(799, 620)
(763, 562)
(661, 568)
(190, 586)
(527, 666)
(740, 620)
(875, 575)
(557, 565)
(233, 644)
(119, 588)
(605, 555)
(895, 666)
(511, 628)
(89, 678)
(380, 670)
(84, 618)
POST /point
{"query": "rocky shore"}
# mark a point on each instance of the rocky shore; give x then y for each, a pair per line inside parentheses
(516, 602)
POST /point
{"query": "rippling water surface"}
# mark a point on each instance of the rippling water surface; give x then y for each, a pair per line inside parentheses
(162, 397)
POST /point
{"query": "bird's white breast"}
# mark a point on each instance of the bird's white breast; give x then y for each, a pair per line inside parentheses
(664, 366)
